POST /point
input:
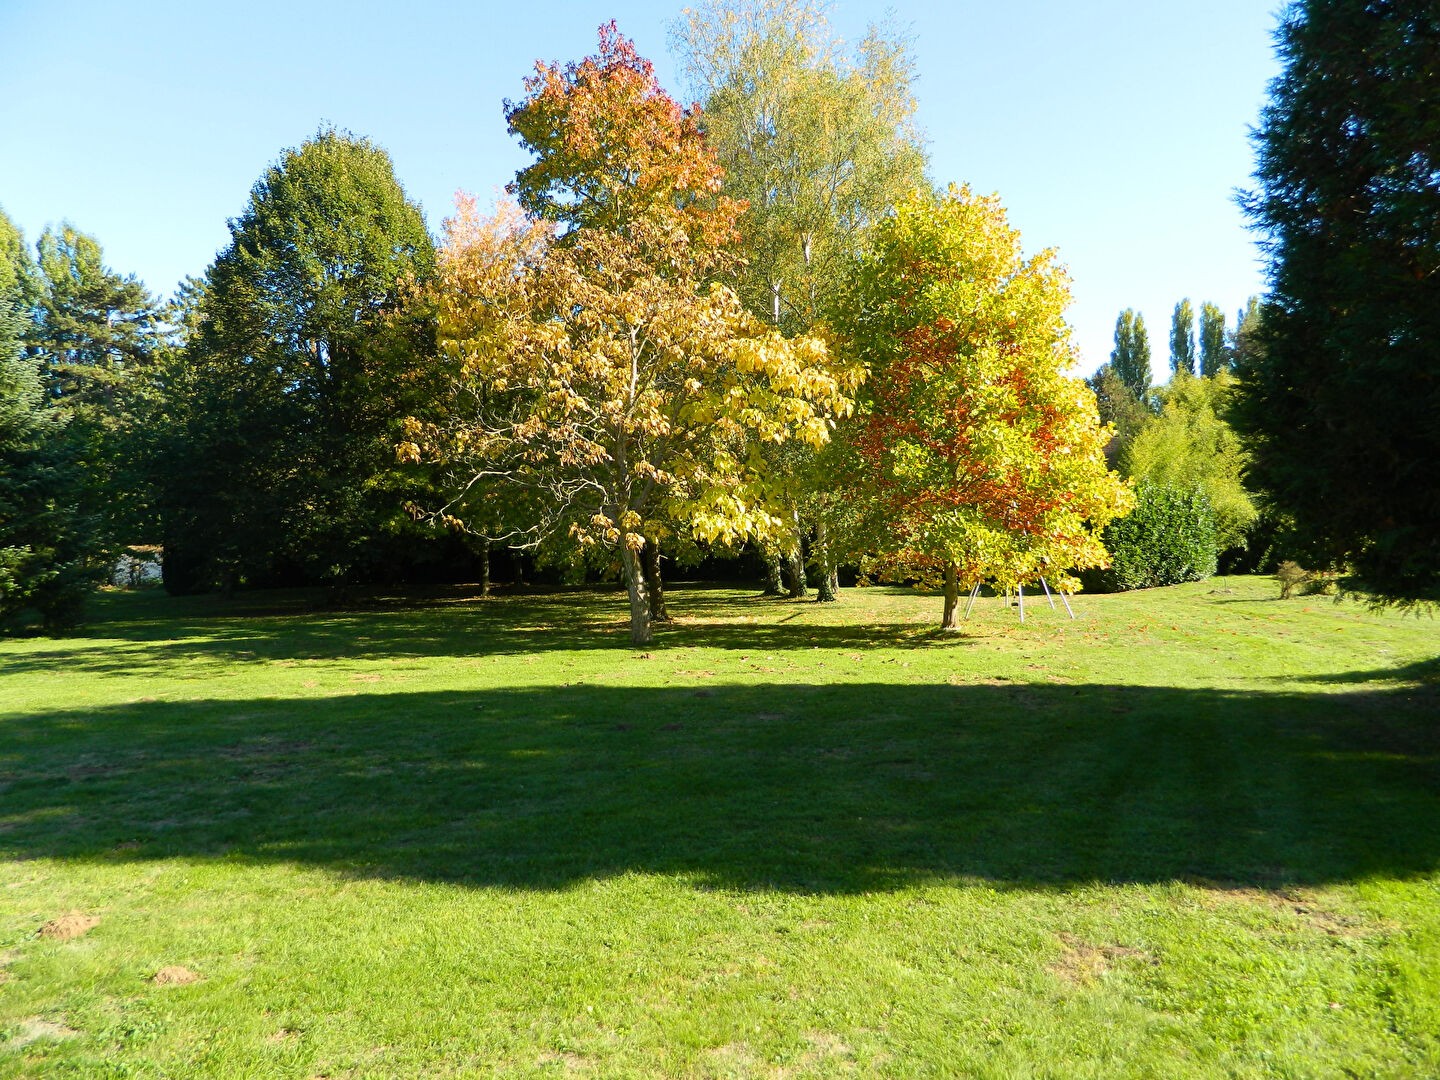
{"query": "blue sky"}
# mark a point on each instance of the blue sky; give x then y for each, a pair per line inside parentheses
(1115, 132)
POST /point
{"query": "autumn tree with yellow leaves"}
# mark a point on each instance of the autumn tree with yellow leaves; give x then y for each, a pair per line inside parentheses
(595, 363)
(988, 457)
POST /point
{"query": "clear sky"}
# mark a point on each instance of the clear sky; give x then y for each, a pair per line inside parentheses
(1113, 131)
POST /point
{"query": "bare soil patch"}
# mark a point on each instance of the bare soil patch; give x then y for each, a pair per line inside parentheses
(1083, 962)
(68, 927)
(174, 975)
(37, 1028)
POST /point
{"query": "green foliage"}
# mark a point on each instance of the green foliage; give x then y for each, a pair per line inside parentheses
(1118, 406)
(1182, 338)
(49, 548)
(820, 144)
(1244, 342)
(1130, 359)
(1191, 444)
(95, 334)
(95, 329)
(1213, 355)
(278, 454)
(1341, 406)
(1168, 538)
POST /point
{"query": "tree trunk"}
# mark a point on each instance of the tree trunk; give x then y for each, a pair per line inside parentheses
(952, 598)
(796, 558)
(654, 584)
(774, 583)
(794, 568)
(826, 593)
(639, 594)
(485, 568)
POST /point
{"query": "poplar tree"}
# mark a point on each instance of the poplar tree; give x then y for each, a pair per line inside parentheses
(1182, 338)
(1213, 356)
(1130, 359)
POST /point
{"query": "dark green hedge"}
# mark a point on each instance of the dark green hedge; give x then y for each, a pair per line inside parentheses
(1168, 538)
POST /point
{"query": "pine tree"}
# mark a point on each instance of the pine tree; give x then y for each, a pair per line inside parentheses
(49, 557)
(1341, 403)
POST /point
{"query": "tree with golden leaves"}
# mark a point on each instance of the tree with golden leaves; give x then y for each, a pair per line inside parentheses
(596, 363)
(988, 456)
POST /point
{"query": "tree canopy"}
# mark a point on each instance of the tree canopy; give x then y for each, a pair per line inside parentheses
(288, 388)
(604, 367)
(989, 456)
(1340, 403)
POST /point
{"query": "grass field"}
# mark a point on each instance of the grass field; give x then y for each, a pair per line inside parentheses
(1193, 833)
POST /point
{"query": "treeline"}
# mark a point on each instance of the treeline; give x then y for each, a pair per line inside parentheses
(752, 325)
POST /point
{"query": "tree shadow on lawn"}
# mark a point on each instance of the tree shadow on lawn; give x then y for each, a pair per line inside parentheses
(450, 623)
(817, 789)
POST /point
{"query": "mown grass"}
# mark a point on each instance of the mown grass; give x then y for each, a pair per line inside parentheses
(1193, 833)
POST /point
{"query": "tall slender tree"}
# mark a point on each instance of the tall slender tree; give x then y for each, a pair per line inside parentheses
(1214, 357)
(1182, 338)
(1130, 359)
(819, 141)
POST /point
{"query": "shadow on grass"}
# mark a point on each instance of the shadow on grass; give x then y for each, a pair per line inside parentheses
(159, 631)
(786, 787)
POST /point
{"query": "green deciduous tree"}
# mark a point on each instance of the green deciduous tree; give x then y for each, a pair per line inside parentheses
(1191, 444)
(291, 383)
(1119, 407)
(1182, 338)
(988, 456)
(1244, 343)
(1214, 357)
(1341, 406)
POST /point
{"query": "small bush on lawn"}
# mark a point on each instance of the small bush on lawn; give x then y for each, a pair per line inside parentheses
(1168, 538)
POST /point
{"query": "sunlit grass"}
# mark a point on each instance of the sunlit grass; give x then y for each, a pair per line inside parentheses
(1193, 832)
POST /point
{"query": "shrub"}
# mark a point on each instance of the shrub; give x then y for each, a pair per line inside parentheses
(1168, 538)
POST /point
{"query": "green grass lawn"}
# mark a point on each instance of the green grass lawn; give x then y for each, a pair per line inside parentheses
(1195, 832)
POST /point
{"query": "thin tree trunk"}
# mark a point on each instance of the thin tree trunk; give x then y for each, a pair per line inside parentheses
(485, 568)
(952, 598)
(826, 593)
(639, 594)
(774, 583)
(796, 558)
(654, 584)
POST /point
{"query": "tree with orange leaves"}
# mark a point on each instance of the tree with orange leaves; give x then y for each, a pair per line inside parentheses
(595, 363)
(987, 456)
